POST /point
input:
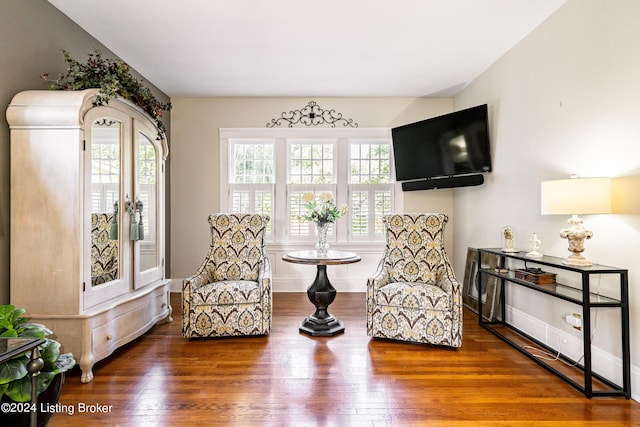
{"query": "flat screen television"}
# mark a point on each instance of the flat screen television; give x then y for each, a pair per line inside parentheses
(451, 145)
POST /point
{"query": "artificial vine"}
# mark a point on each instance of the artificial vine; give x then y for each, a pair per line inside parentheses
(114, 79)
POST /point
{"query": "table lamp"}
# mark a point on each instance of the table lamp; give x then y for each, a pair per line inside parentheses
(576, 196)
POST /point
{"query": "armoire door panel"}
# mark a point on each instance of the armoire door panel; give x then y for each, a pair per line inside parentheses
(148, 180)
(106, 133)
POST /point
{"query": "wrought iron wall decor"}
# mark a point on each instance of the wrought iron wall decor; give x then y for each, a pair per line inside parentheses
(312, 115)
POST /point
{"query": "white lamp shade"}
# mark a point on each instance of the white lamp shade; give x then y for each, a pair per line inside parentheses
(576, 196)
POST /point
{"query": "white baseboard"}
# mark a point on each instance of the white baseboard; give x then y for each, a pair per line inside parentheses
(176, 285)
(602, 362)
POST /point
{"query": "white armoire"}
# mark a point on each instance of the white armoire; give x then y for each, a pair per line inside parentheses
(87, 220)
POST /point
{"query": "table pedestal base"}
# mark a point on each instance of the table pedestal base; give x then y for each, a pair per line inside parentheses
(321, 294)
(321, 327)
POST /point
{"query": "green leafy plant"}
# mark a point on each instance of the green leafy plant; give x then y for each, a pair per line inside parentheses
(15, 382)
(114, 79)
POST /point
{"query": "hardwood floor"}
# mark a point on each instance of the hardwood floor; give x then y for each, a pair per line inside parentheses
(291, 379)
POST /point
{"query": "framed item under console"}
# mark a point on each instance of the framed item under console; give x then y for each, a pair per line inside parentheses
(487, 289)
(515, 270)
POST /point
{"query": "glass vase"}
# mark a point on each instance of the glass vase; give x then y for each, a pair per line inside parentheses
(322, 247)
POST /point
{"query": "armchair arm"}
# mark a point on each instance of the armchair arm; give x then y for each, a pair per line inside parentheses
(189, 285)
(447, 282)
(264, 282)
(375, 282)
(264, 277)
(194, 282)
(379, 278)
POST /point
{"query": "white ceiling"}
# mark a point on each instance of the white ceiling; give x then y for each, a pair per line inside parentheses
(411, 48)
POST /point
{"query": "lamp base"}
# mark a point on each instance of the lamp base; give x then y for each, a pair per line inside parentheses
(577, 260)
(576, 234)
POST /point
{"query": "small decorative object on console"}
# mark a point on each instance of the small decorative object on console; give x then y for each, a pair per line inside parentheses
(508, 237)
(534, 244)
(536, 276)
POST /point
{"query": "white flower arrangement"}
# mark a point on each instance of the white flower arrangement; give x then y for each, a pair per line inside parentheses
(324, 209)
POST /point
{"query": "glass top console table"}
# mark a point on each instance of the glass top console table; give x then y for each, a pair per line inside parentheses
(581, 376)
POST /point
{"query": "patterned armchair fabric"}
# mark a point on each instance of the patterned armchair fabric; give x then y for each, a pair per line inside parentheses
(413, 295)
(230, 295)
(104, 251)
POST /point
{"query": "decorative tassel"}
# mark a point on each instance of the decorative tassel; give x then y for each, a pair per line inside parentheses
(133, 229)
(139, 207)
(113, 233)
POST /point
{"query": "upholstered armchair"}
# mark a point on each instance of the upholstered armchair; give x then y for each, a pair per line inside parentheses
(230, 295)
(104, 251)
(413, 295)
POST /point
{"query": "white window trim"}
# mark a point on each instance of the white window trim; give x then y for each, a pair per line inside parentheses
(342, 240)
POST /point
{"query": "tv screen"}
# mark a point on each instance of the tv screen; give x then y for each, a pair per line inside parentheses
(449, 145)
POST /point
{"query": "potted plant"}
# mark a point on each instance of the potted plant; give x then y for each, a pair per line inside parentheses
(113, 78)
(15, 382)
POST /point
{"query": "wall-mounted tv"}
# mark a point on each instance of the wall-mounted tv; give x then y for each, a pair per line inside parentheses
(452, 145)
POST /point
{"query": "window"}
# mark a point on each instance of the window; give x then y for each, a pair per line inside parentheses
(311, 162)
(370, 186)
(252, 177)
(269, 170)
(311, 167)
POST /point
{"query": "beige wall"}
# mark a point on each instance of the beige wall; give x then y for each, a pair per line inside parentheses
(565, 100)
(33, 33)
(195, 156)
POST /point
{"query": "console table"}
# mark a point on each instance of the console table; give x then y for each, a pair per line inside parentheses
(321, 293)
(584, 297)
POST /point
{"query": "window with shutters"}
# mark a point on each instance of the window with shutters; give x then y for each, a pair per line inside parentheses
(268, 171)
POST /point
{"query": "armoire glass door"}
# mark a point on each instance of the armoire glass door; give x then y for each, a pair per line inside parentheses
(105, 137)
(147, 171)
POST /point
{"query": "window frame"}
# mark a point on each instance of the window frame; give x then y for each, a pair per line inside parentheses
(341, 187)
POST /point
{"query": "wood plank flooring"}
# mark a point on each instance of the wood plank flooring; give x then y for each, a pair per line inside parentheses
(291, 379)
